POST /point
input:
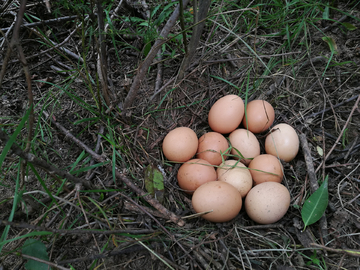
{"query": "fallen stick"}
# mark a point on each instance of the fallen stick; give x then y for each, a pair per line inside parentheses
(143, 67)
(342, 131)
(39, 162)
(155, 203)
(313, 180)
(350, 252)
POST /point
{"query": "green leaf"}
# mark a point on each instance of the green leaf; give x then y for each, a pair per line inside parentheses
(320, 150)
(315, 206)
(349, 26)
(13, 137)
(35, 248)
(332, 45)
(154, 182)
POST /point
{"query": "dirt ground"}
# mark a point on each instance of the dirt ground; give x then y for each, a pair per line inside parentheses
(315, 105)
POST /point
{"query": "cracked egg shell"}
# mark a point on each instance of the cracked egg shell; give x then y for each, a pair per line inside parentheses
(267, 202)
(222, 198)
(180, 144)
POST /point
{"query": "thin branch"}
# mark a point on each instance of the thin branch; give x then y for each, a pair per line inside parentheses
(143, 68)
(313, 180)
(101, 46)
(350, 252)
(75, 231)
(45, 262)
(45, 22)
(39, 162)
(195, 37)
(155, 203)
(182, 24)
(342, 131)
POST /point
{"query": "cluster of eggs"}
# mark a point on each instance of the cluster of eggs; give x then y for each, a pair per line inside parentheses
(222, 175)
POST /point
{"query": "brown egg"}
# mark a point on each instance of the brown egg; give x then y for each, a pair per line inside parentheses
(282, 142)
(266, 168)
(267, 202)
(226, 114)
(236, 174)
(210, 146)
(259, 116)
(180, 144)
(194, 173)
(246, 143)
(222, 198)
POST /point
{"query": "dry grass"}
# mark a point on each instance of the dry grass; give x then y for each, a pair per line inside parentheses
(274, 53)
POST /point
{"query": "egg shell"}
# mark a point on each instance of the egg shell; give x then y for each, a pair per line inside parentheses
(259, 116)
(266, 168)
(226, 114)
(194, 173)
(236, 174)
(180, 144)
(267, 202)
(282, 142)
(210, 146)
(246, 143)
(221, 197)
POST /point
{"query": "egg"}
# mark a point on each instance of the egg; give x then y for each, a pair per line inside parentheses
(267, 202)
(282, 142)
(259, 116)
(266, 168)
(211, 146)
(222, 198)
(236, 174)
(180, 144)
(194, 173)
(226, 114)
(246, 143)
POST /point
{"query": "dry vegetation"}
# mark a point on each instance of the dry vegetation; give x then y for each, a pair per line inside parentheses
(90, 174)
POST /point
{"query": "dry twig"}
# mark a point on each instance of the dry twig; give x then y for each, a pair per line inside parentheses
(155, 203)
(313, 180)
(342, 131)
(143, 67)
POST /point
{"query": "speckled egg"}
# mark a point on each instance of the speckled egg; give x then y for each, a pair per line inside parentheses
(237, 174)
(267, 202)
(266, 168)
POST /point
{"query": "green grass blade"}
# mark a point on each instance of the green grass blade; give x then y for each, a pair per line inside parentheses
(17, 184)
(85, 169)
(315, 206)
(230, 83)
(13, 138)
(101, 210)
(25, 236)
(17, 196)
(41, 181)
